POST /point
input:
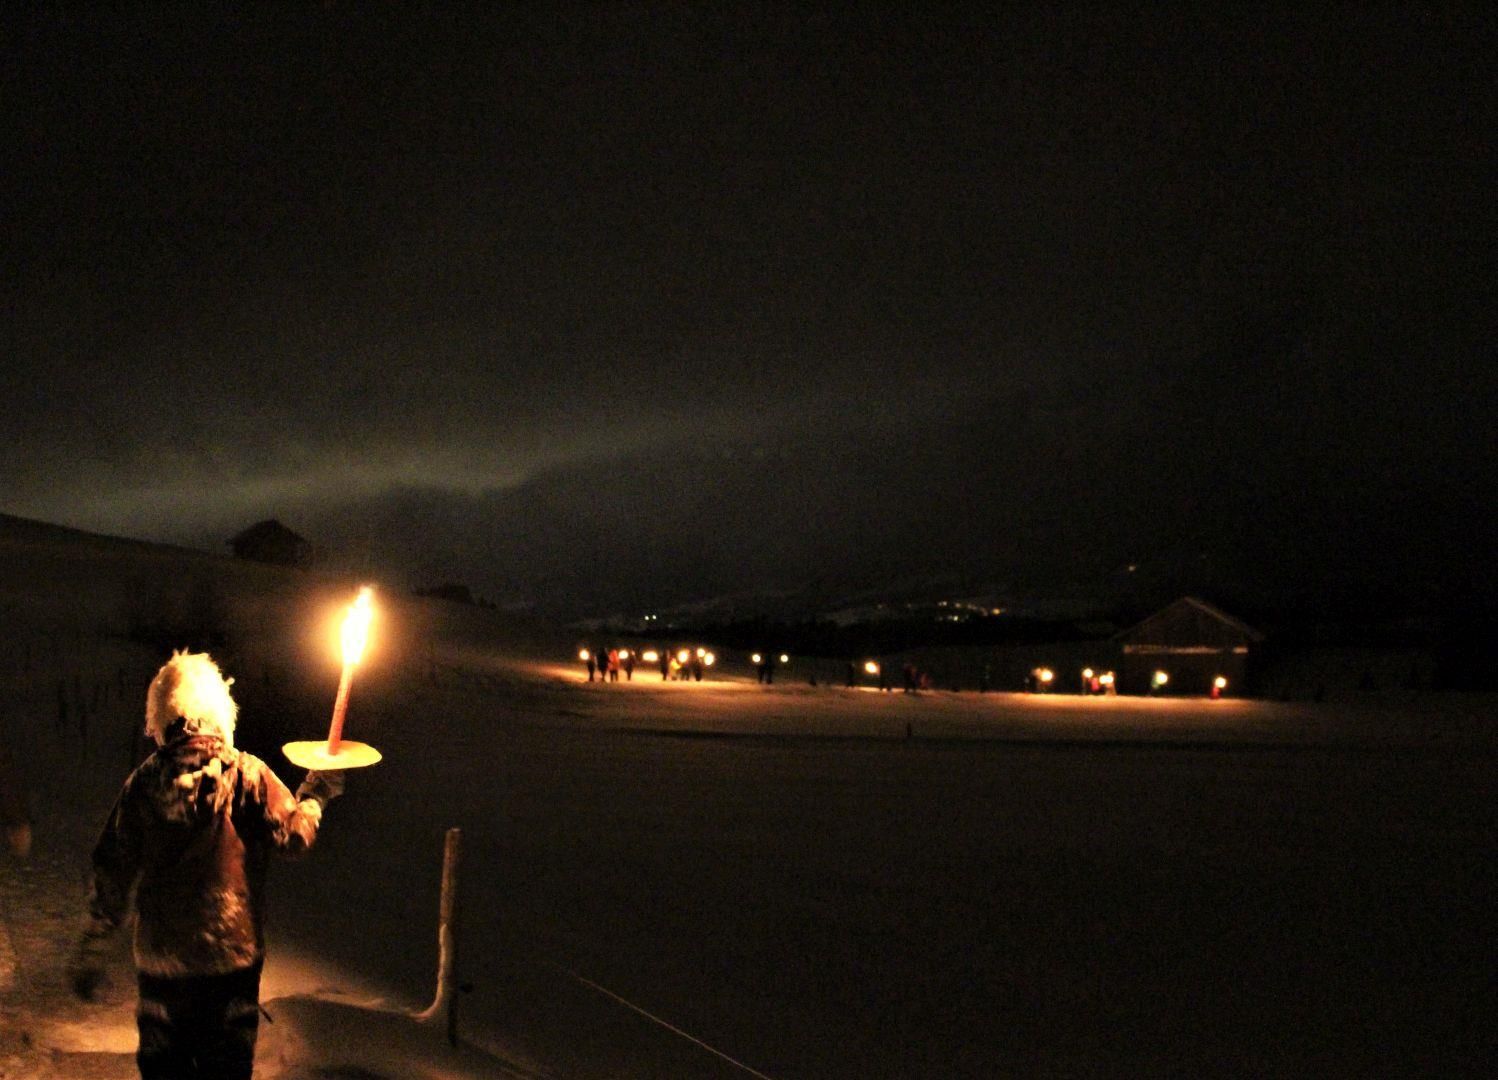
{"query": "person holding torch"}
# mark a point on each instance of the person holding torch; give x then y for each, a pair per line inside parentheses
(190, 837)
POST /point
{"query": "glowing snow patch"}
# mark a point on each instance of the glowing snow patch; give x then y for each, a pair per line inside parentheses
(7, 959)
(99, 1035)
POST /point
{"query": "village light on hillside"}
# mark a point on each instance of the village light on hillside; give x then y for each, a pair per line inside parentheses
(335, 753)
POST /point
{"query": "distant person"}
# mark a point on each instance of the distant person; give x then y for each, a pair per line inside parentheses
(629, 666)
(852, 675)
(14, 819)
(665, 665)
(189, 839)
(613, 665)
(697, 668)
(592, 663)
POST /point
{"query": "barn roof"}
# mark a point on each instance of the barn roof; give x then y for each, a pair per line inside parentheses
(1190, 621)
(265, 530)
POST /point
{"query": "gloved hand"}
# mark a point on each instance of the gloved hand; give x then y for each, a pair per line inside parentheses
(321, 786)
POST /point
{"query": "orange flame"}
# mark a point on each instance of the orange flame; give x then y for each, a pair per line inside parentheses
(356, 626)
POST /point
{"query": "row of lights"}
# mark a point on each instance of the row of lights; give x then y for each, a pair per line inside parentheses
(1160, 678)
(1045, 676)
(651, 656)
(1106, 679)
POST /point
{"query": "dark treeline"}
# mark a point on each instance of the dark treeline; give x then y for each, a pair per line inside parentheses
(830, 640)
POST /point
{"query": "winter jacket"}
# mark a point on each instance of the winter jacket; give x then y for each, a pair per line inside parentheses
(193, 830)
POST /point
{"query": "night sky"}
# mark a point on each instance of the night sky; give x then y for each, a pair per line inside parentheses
(619, 306)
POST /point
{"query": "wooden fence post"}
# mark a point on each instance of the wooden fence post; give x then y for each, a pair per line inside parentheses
(445, 1004)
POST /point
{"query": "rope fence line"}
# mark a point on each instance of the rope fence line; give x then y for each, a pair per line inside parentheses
(606, 992)
(444, 1005)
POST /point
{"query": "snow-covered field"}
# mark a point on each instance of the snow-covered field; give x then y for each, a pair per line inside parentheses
(811, 881)
(1023, 886)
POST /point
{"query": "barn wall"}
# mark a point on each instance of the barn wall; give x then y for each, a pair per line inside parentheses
(1191, 673)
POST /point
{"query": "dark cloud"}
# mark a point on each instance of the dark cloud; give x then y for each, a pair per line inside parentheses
(602, 304)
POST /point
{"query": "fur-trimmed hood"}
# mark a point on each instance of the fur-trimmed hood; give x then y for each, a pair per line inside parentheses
(190, 689)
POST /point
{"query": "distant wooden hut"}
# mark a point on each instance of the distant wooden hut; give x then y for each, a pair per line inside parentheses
(271, 542)
(1193, 643)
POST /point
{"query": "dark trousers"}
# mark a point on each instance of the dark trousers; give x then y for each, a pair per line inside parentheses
(198, 1027)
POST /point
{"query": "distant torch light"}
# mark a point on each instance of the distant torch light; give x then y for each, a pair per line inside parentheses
(683, 656)
(583, 654)
(1161, 678)
(1220, 682)
(623, 654)
(650, 656)
(756, 658)
(1106, 678)
(784, 659)
(708, 660)
(871, 666)
(1046, 674)
(1087, 673)
(701, 653)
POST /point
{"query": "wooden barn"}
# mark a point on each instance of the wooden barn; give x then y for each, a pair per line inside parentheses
(271, 542)
(1193, 644)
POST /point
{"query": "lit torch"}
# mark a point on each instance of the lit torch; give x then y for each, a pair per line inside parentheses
(337, 753)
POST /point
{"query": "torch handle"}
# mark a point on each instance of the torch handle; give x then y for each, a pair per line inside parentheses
(340, 710)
